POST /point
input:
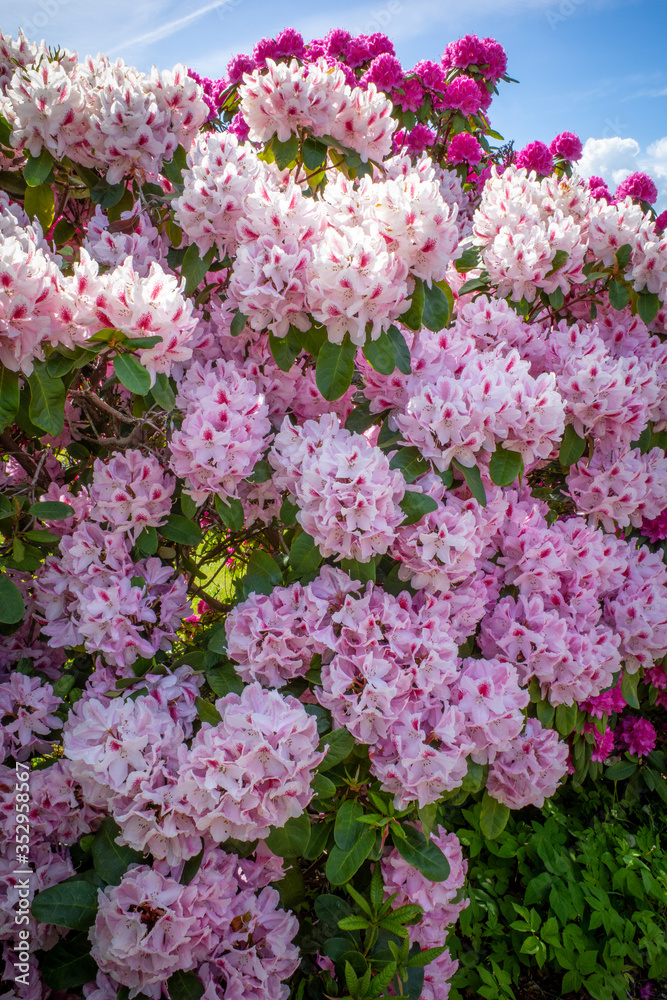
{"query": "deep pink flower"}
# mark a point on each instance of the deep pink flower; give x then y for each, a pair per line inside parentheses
(431, 75)
(385, 72)
(412, 96)
(414, 142)
(567, 146)
(464, 148)
(237, 66)
(637, 735)
(462, 94)
(535, 156)
(638, 186)
(656, 528)
(661, 223)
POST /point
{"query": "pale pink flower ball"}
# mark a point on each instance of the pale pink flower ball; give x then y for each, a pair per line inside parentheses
(131, 492)
(530, 770)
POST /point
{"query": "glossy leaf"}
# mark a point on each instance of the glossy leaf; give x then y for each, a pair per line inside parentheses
(335, 368)
(572, 447)
(473, 481)
(182, 530)
(415, 506)
(68, 904)
(380, 354)
(290, 840)
(51, 510)
(132, 374)
(505, 466)
(111, 860)
(9, 396)
(47, 400)
(422, 854)
(12, 605)
(493, 817)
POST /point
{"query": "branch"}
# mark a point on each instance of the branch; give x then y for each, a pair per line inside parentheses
(27, 462)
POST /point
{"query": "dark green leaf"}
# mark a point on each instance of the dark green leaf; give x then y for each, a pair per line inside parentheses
(9, 396)
(505, 466)
(180, 529)
(191, 867)
(380, 354)
(321, 785)
(39, 204)
(284, 351)
(572, 447)
(194, 269)
(412, 317)
(620, 771)
(335, 368)
(415, 506)
(141, 342)
(339, 745)
(207, 712)
(230, 512)
(556, 299)
(560, 259)
(185, 986)
(132, 374)
(360, 418)
(304, 555)
(473, 481)
(262, 575)
(437, 308)
(111, 861)
(566, 719)
(5, 133)
(358, 570)
(629, 684)
(173, 168)
(313, 339)
(290, 840)
(37, 168)
(162, 392)
(493, 817)
(62, 232)
(648, 306)
(422, 854)
(68, 904)
(474, 285)
(410, 462)
(47, 400)
(147, 542)
(314, 154)
(619, 295)
(623, 255)
(401, 350)
(223, 679)
(112, 196)
(342, 865)
(12, 606)
(347, 828)
(51, 510)
(68, 964)
(285, 152)
(468, 260)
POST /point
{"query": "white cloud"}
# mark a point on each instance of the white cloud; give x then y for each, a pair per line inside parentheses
(615, 158)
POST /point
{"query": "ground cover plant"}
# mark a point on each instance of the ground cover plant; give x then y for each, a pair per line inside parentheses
(333, 596)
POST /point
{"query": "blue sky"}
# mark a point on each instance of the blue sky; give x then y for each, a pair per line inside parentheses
(595, 67)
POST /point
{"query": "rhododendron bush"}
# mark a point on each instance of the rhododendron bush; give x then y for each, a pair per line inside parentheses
(334, 496)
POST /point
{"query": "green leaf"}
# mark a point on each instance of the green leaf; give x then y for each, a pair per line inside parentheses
(560, 259)
(623, 255)
(182, 530)
(191, 867)
(505, 466)
(284, 351)
(401, 350)
(346, 827)
(262, 575)
(421, 853)
(412, 318)
(358, 570)
(207, 712)
(147, 542)
(339, 745)
(68, 904)
(620, 771)
(69, 964)
(572, 447)
(261, 473)
(415, 506)
(566, 719)
(335, 368)
(51, 510)
(353, 923)
(493, 817)
(39, 204)
(5, 133)
(110, 860)
(468, 260)
(185, 986)
(290, 840)
(285, 152)
(42, 537)
(619, 295)
(410, 462)
(9, 396)
(173, 168)
(437, 308)
(629, 684)
(162, 392)
(223, 679)
(473, 481)
(230, 512)
(314, 154)
(342, 865)
(474, 285)
(648, 306)
(313, 339)
(321, 785)
(556, 299)
(194, 269)
(47, 400)
(132, 374)
(304, 555)
(12, 606)
(424, 957)
(380, 354)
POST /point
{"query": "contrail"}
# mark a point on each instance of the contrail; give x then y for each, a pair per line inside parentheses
(172, 26)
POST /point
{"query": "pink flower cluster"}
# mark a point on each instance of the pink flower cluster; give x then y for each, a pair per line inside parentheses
(530, 770)
(131, 492)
